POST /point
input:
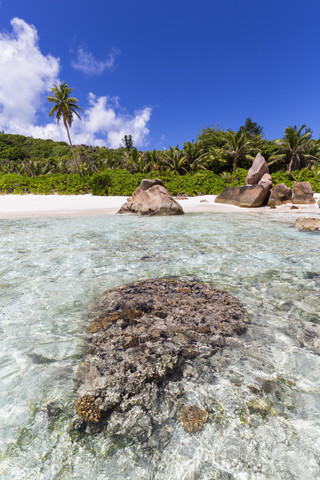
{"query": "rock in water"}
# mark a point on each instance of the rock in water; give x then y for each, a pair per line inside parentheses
(308, 224)
(257, 170)
(303, 193)
(140, 341)
(249, 196)
(151, 198)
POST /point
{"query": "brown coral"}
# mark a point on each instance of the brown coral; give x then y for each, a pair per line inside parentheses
(192, 418)
(87, 409)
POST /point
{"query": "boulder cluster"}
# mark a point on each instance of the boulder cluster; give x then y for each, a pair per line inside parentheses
(141, 340)
(258, 190)
(151, 198)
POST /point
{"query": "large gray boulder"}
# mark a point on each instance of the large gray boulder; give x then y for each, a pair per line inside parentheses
(280, 194)
(151, 198)
(257, 170)
(303, 193)
(249, 196)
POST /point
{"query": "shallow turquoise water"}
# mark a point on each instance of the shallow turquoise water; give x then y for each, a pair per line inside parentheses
(53, 269)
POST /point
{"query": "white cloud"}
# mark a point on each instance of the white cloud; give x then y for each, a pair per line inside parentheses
(87, 63)
(25, 77)
(25, 74)
(105, 119)
(103, 123)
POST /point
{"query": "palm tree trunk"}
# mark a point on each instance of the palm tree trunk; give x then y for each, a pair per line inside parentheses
(291, 163)
(72, 149)
(235, 162)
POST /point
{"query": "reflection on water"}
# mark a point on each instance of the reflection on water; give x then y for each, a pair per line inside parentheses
(264, 395)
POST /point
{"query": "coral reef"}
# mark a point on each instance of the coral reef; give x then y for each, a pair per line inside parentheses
(141, 339)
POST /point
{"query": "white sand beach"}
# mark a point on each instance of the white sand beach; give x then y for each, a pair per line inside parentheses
(15, 206)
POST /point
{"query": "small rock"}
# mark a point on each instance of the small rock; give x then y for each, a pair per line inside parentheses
(294, 207)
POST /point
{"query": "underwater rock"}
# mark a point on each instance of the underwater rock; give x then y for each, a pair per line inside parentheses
(151, 198)
(308, 224)
(142, 339)
(193, 418)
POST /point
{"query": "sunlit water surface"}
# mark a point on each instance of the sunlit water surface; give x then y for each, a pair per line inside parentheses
(52, 270)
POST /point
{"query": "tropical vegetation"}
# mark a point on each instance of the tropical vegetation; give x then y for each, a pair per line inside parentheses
(216, 159)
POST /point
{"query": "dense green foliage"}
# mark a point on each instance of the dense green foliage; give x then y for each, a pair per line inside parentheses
(217, 159)
(122, 182)
(45, 184)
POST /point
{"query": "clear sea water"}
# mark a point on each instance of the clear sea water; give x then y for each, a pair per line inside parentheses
(52, 270)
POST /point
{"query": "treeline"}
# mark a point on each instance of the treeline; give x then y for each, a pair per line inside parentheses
(217, 159)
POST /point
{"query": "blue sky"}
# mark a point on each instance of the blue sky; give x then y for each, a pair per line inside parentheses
(158, 69)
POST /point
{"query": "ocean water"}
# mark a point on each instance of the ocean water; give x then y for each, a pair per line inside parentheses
(265, 392)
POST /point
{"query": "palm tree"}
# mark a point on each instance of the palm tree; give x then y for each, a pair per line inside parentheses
(237, 147)
(65, 108)
(295, 147)
(195, 157)
(135, 162)
(174, 160)
(153, 160)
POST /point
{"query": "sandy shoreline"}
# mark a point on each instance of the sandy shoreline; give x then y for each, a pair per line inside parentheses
(15, 206)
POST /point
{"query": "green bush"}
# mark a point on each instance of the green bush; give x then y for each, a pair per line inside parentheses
(99, 183)
(44, 185)
(282, 177)
(122, 182)
(305, 175)
(12, 183)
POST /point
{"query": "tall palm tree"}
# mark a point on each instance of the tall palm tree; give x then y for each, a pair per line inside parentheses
(237, 147)
(295, 146)
(65, 108)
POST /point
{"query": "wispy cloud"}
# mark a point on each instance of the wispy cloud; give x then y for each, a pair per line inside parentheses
(87, 63)
(25, 77)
